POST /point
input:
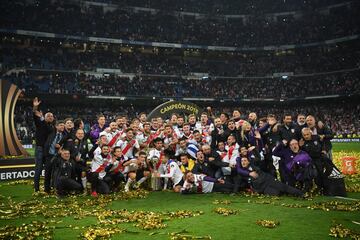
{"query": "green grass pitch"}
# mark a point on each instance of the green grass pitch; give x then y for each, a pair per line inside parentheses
(298, 218)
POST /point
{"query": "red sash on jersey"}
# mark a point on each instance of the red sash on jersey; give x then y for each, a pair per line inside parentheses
(230, 152)
(152, 137)
(128, 146)
(222, 155)
(113, 140)
(160, 160)
(119, 168)
(103, 166)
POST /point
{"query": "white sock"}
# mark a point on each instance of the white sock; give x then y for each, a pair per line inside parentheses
(143, 179)
(83, 182)
(127, 185)
(165, 183)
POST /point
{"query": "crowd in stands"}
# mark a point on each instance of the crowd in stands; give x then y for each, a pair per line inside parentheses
(257, 30)
(44, 55)
(276, 88)
(227, 7)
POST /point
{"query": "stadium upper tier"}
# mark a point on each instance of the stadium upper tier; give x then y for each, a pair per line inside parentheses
(332, 85)
(82, 18)
(55, 54)
(228, 7)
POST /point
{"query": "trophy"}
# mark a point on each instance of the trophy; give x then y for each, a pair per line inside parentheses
(155, 181)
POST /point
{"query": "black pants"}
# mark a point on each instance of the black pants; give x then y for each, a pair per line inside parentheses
(48, 173)
(276, 188)
(66, 185)
(97, 184)
(113, 179)
(225, 188)
(240, 183)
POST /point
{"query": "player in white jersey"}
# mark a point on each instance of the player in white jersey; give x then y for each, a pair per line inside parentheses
(173, 172)
(112, 134)
(129, 145)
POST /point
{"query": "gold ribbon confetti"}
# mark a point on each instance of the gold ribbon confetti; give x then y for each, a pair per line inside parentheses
(225, 211)
(222, 202)
(268, 223)
(339, 231)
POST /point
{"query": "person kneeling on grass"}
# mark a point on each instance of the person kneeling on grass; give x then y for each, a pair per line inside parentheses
(173, 172)
(99, 170)
(137, 171)
(262, 182)
(64, 174)
(200, 183)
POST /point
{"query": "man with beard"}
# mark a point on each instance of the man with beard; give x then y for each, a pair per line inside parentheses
(51, 149)
(79, 150)
(64, 174)
(323, 132)
(262, 182)
(121, 123)
(192, 122)
(129, 145)
(98, 172)
(271, 137)
(231, 130)
(253, 120)
(137, 171)
(313, 146)
(44, 126)
(288, 130)
(218, 134)
(295, 164)
(215, 162)
(112, 134)
(114, 171)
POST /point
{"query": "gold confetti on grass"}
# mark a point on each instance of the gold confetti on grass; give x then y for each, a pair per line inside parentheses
(226, 211)
(28, 231)
(100, 232)
(268, 223)
(222, 202)
(339, 231)
(183, 236)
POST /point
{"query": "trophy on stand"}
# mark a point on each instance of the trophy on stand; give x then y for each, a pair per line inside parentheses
(155, 181)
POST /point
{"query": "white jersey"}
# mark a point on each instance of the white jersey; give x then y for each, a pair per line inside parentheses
(110, 135)
(154, 153)
(232, 154)
(204, 129)
(99, 163)
(173, 172)
(199, 185)
(129, 154)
